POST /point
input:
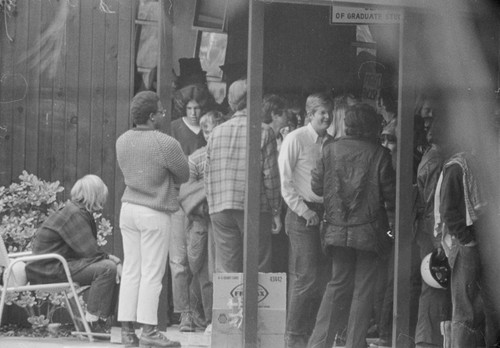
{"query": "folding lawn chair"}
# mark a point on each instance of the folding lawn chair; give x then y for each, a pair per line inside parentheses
(14, 280)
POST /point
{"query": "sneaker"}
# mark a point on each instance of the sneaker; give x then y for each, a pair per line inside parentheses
(381, 343)
(198, 321)
(156, 339)
(187, 324)
(208, 330)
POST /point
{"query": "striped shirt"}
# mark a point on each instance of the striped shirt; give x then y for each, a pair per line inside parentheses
(197, 164)
(153, 165)
(225, 167)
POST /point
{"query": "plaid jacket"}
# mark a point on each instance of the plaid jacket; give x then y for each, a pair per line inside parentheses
(225, 167)
(70, 232)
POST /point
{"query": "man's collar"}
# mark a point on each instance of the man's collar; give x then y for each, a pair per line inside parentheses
(315, 134)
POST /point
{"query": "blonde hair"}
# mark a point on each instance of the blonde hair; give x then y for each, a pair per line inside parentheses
(90, 191)
(212, 118)
(341, 103)
(317, 100)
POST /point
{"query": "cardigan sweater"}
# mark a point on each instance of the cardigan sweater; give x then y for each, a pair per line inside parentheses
(153, 165)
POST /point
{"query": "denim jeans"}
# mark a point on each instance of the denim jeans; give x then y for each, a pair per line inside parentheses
(354, 273)
(308, 268)
(145, 234)
(465, 296)
(101, 276)
(201, 287)
(434, 304)
(201, 293)
(178, 260)
(386, 310)
(228, 227)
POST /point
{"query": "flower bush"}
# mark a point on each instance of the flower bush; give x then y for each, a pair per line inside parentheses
(8, 6)
(24, 206)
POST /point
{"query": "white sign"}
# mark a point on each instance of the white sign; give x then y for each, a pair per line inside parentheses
(364, 15)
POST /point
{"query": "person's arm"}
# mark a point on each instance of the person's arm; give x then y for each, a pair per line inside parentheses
(270, 171)
(388, 187)
(175, 159)
(452, 204)
(206, 165)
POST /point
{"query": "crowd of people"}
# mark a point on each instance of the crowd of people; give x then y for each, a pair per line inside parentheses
(328, 184)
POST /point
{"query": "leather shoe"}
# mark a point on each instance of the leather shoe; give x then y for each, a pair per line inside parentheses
(99, 327)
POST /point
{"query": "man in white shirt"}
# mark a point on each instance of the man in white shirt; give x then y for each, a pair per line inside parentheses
(307, 273)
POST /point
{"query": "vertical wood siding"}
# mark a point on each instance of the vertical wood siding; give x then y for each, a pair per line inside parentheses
(64, 125)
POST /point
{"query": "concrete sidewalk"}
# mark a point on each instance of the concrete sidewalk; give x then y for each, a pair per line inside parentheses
(187, 339)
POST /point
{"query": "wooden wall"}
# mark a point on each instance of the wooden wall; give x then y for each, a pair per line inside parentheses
(62, 122)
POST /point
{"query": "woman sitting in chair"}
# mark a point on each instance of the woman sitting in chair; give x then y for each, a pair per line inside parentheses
(71, 232)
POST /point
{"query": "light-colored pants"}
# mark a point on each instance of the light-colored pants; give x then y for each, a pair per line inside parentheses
(145, 234)
(179, 265)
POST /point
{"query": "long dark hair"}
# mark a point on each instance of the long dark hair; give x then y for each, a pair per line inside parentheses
(362, 120)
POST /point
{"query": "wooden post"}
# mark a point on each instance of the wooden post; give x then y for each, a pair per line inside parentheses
(164, 91)
(404, 177)
(252, 198)
(165, 58)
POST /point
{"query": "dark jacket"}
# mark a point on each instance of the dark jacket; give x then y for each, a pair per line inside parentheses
(70, 232)
(358, 184)
(428, 173)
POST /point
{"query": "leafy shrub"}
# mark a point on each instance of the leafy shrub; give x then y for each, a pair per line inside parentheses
(24, 207)
(8, 6)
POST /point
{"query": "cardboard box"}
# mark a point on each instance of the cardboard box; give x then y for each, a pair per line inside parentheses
(228, 287)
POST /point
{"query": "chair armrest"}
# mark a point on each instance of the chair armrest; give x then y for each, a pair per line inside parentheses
(29, 258)
(19, 254)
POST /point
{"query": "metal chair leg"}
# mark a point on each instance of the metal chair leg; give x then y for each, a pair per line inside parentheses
(81, 314)
(2, 303)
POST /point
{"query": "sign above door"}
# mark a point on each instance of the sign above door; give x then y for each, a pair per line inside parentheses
(364, 15)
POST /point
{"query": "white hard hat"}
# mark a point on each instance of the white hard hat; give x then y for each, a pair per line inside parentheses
(435, 272)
